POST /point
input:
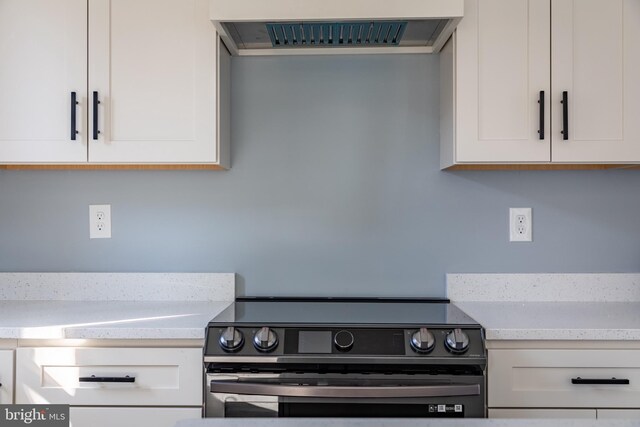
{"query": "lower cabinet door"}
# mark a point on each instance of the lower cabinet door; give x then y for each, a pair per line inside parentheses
(624, 414)
(83, 376)
(559, 378)
(131, 417)
(543, 413)
(6, 377)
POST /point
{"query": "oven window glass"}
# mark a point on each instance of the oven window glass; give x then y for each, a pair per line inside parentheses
(248, 409)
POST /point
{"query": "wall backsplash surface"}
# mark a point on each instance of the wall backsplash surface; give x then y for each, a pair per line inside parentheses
(335, 190)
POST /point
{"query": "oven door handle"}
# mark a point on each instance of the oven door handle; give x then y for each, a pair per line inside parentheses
(286, 390)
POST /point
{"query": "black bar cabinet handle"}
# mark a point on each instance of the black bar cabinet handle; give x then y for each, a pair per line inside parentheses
(96, 102)
(74, 105)
(606, 381)
(565, 115)
(94, 379)
(541, 128)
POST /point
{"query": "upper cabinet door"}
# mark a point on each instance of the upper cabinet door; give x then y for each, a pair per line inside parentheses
(43, 60)
(153, 70)
(596, 61)
(503, 62)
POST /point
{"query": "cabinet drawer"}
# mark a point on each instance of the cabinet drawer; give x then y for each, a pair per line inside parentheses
(555, 414)
(620, 414)
(131, 417)
(109, 376)
(6, 377)
(544, 378)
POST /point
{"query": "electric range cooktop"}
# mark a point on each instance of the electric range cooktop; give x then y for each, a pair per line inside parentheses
(343, 312)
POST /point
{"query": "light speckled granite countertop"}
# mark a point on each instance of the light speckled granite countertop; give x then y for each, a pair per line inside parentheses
(106, 319)
(551, 306)
(162, 306)
(556, 320)
(407, 422)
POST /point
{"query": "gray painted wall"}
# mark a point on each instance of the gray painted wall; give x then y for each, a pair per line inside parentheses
(335, 190)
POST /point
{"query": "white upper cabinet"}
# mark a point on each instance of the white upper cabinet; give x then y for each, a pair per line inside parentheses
(152, 66)
(43, 61)
(150, 78)
(596, 61)
(503, 60)
(510, 65)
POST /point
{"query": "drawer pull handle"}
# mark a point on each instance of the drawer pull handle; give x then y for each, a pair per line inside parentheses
(94, 379)
(610, 381)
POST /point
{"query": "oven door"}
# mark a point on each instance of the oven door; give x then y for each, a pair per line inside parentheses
(344, 395)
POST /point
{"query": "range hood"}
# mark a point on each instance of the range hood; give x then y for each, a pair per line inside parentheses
(302, 27)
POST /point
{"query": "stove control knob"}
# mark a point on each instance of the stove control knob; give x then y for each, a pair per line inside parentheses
(265, 340)
(343, 340)
(231, 339)
(422, 341)
(457, 342)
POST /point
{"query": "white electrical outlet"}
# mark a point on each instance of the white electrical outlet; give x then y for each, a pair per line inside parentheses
(520, 225)
(99, 221)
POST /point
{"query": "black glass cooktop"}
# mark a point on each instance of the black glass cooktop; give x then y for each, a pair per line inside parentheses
(301, 312)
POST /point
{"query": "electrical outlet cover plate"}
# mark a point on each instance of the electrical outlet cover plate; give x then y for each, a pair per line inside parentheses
(520, 225)
(99, 221)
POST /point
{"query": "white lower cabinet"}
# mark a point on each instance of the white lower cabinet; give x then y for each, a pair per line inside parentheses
(110, 376)
(141, 387)
(543, 413)
(6, 377)
(563, 382)
(625, 414)
(130, 417)
(560, 378)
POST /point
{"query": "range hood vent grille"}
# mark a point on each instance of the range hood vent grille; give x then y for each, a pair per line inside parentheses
(335, 27)
(336, 34)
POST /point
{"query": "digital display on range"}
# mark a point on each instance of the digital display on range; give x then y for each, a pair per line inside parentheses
(318, 342)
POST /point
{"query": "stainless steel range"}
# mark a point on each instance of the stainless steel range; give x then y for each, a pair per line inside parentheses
(296, 357)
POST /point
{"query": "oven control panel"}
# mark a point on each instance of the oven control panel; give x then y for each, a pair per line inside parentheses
(399, 342)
